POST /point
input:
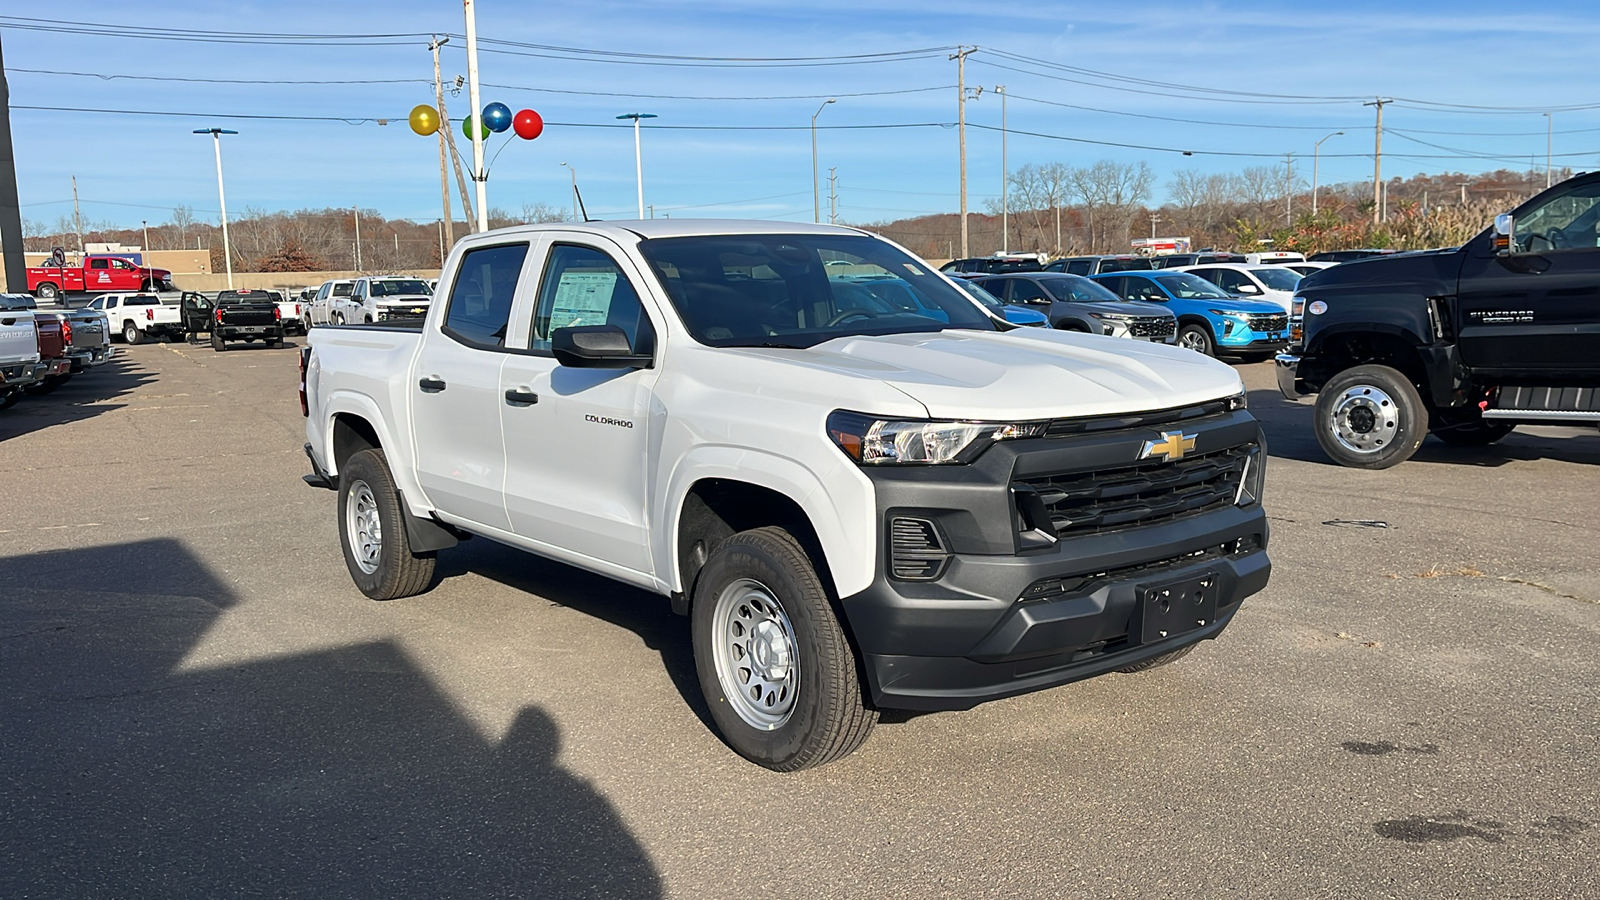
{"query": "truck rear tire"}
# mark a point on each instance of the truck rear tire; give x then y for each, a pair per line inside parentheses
(372, 531)
(47, 291)
(131, 333)
(1370, 417)
(773, 661)
(217, 343)
(1467, 427)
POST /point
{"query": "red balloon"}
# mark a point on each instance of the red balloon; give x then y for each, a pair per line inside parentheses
(527, 124)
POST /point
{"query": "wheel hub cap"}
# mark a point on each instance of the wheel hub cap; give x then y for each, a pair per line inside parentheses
(363, 527)
(1365, 419)
(754, 654)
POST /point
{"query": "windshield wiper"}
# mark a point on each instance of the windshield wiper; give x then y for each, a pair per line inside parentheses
(779, 345)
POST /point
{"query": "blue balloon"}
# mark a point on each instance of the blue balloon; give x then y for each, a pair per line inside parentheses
(497, 116)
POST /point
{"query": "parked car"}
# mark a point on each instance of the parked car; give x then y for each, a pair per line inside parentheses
(330, 293)
(1016, 315)
(20, 364)
(1273, 258)
(1307, 267)
(1095, 265)
(1339, 256)
(1000, 262)
(245, 315)
(857, 511)
(1204, 257)
(1463, 344)
(386, 298)
(1210, 320)
(1272, 283)
(137, 317)
(1075, 303)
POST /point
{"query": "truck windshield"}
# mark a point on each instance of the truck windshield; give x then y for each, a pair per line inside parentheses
(397, 288)
(1278, 278)
(778, 290)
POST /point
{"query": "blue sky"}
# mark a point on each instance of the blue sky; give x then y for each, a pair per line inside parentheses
(132, 167)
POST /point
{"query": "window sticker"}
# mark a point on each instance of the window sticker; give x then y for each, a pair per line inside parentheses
(582, 298)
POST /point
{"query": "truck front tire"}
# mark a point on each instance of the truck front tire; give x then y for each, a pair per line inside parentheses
(372, 531)
(773, 661)
(1370, 417)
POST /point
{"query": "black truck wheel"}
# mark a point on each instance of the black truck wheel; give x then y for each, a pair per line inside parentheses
(377, 550)
(217, 343)
(1370, 417)
(47, 291)
(774, 664)
(1466, 427)
(9, 397)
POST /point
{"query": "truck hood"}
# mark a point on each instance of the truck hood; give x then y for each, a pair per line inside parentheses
(1029, 373)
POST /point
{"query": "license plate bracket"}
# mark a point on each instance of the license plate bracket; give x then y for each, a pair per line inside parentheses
(1171, 608)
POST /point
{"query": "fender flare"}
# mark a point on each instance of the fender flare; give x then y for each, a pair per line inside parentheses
(398, 452)
(843, 517)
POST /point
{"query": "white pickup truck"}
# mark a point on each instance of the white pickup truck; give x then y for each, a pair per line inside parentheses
(383, 298)
(140, 317)
(863, 498)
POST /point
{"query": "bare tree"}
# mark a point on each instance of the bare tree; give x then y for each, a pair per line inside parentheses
(541, 212)
(183, 220)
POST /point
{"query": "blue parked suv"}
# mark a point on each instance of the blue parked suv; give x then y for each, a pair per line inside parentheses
(1209, 319)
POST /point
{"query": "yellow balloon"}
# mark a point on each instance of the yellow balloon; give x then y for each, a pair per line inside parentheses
(424, 120)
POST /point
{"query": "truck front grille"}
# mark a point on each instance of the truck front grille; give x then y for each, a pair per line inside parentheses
(1142, 493)
(1269, 322)
(1152, 326)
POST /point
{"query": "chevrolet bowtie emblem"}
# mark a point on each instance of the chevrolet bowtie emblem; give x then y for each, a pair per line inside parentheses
(1172, 446)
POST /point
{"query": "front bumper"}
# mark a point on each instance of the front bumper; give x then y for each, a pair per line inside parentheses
(1000, 621)
(1287, 366)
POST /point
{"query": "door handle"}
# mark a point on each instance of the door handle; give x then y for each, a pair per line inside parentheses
(431, 385)
(521, 397)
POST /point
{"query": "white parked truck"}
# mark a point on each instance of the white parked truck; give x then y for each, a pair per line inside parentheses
(140, 317)
(863, 499)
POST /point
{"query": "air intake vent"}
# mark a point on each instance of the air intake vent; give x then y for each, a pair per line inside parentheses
(916, 553)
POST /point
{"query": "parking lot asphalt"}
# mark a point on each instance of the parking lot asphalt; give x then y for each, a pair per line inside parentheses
(195, 701)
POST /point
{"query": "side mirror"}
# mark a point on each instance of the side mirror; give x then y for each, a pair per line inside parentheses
(1504, 234)
(1247, 288)
(596, 347)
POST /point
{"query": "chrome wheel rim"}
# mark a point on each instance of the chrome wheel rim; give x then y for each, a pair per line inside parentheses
(1192, 341)
(363, 527)
(755, 654)
(1365, 419)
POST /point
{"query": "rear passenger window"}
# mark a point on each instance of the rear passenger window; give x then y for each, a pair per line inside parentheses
(479, 310)
(1079, 267)
(583, 286)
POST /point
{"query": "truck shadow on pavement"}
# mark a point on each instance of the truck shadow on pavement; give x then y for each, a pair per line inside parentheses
(1289, 436)
(645, 614)
(340, 772)
(86, 395)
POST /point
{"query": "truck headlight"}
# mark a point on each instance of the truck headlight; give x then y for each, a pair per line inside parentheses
(872, 441)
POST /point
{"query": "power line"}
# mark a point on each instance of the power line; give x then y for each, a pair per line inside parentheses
(1165, 87)
(1121, 112)
(120, 77)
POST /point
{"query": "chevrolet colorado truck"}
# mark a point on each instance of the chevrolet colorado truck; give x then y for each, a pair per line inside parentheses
(140, 317)
(859, 507)
(1464, 344)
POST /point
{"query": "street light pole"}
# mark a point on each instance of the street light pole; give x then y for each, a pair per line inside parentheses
(357, 211)
(222, 198)
(476, 117)
(1549, 140)
(638, 159)
(816, 190)
(574, 192)
(1005, 209)
(1316, 150)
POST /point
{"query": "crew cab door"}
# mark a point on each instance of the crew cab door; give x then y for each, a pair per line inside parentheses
(125, 275)
(1536, 311)
(455, 388)
(577, 439)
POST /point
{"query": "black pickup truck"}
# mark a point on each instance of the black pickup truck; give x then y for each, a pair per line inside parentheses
(1465, 343)
(246, 315)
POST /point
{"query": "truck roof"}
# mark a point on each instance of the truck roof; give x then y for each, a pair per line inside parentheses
(661, 228)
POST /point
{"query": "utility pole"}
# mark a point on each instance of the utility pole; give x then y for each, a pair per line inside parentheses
(816, 195)
(1005, 210)
(444, 152)
(77, 218)
(357, 211)
(1288, 189)
(1549, 142)
(1154, 218)
(833, 195)
(1377, 161)
(478, 175)
(455, 160)
(960, 56)
(16, 267)
(1463, 185)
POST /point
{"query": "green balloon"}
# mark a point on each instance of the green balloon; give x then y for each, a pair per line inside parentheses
(468, 123)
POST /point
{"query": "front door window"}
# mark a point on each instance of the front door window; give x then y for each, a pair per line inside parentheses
(1566, 221)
